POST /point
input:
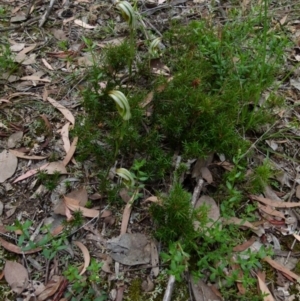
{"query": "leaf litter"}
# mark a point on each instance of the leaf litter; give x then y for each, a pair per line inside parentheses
(128, 248)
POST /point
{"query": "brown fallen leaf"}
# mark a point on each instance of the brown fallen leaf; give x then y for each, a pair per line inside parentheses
(35, 78)
(79, 195)
(126, 213)
(270, 211)
(281, 268)
(125, 218)
(16, 276)
(54, 167)
(15, 249)
(68, 115)
(239, 283)
(23, 156)
(8, 165)
(70, 152)
(153, 199)
(242, 223)
(245, 245)
(263, 287)
(30, 173)
(106, 265)
(51, 287)
(46, 64)
(203, 292)
(274, 203)
(86, 255)
(206, 175)
(147, 99)
(73, 205)
(65, 136)
(14, 139)
(213, 213)
(83, 24)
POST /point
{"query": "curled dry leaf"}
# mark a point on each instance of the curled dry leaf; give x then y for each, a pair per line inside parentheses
(86, 255)
(70, 152)
(15, 249)
(51, 288)
(65, 136)
(16, 276)
(8, 165)
(73, 205)
(153, 199)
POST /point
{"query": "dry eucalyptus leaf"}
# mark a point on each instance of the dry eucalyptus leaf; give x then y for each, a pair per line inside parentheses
(54, 167)
(295, 83)
(206, 175)
(298, 191)
(214, 210)
(86, 255)
(51, 288)
(80, 195)
(8, 165)
(263, 287)
(59, 34)
(130, 249)
(16, 276)
(147, 285)
(68, 115)
(14, 139)
(17, 47)
(203, 292)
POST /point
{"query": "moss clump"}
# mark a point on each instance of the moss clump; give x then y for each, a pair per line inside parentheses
(134, 291)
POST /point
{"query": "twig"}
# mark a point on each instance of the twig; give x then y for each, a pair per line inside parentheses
(29, 8)
(197, 191)
(169, 289)
(46, 14)
(29, 22)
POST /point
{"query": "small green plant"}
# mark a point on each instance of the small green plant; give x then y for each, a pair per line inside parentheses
(178, 258)
(175, 217)
(7, 64)
(49, 181)
(261, 177)
(63, 45)
(83, 284)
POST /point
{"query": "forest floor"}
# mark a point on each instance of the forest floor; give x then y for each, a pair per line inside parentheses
(149, 150)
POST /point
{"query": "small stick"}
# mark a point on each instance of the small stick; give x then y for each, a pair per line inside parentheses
(169, 289)
(46, 14)
(197, 191)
